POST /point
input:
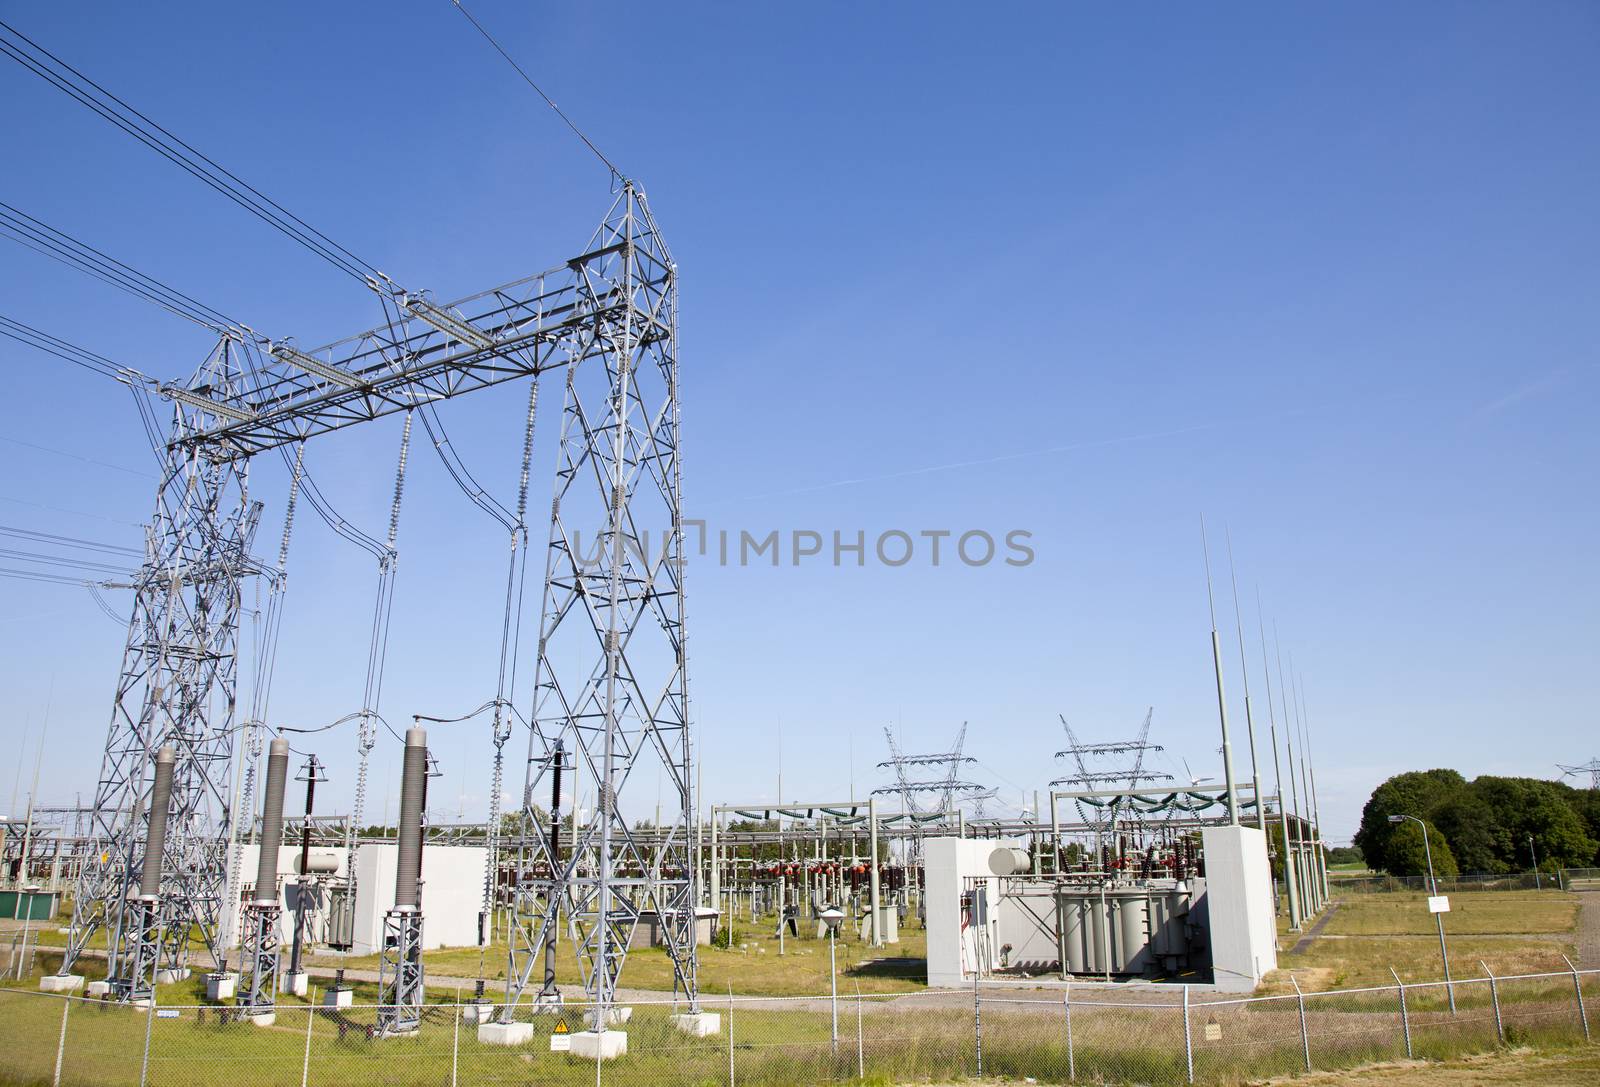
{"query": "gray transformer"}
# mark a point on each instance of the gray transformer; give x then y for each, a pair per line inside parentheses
(1125, 930)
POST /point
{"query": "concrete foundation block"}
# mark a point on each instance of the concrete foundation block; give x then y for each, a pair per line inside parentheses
(338, 998)
(263, 1019)
(98, 989)
(60, 983)
(297, 984)
(477, 1012)
(599, 1045)
(505, 1033)
(698, 1024)
(172, 977)
(221, 986)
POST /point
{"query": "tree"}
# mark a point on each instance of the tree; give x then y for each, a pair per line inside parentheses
(1474, 832)
(1416, 793)
(1345, 854)
(1408, 856)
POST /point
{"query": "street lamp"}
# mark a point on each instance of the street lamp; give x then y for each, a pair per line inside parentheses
(831, 917)
(1537, 885)
(1433, 893)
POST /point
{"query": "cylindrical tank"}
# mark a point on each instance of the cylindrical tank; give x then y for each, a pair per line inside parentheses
(272, 821)
(1097, 920)
(1133, 933)
(413, 778)
(1007, 861)
(155, 841)
(320, 862)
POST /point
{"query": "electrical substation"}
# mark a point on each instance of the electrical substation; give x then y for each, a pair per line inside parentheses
(204, 848)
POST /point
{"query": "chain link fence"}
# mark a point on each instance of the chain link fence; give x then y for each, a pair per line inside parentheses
(1149, 1035)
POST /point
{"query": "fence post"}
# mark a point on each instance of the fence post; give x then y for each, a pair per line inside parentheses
(149, 1025)
(977, 1021)
(730, 1035)
(1188, 1039)
(1577, 988)
(1066, 1004)
(1405, 1015)
(1305, 1036)
(66, 1006)
(861, 1051)
(455, 1043)
(305, 1059)
(1494, 996)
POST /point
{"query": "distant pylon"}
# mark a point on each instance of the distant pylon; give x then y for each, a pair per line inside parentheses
(1592, 768)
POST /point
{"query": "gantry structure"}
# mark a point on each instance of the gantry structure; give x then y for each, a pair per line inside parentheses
(1089, 777)
(912, 787)
(611, 670)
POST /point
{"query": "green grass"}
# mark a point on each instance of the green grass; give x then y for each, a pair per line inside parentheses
(1514, 932)
(751, 967)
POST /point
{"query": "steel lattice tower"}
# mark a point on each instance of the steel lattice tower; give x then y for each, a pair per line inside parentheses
(178, 686)
(611, 684)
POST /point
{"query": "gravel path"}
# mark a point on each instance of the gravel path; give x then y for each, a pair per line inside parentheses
(1589, 929)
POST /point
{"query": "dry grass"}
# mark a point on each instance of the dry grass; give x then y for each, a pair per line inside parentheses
(1565, 1068)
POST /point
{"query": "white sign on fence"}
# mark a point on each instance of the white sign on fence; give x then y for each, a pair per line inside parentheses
(1438, 903)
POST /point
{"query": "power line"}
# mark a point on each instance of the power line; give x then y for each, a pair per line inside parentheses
(587, 142)
(76, 457)
(67, 352)
(61, 560)
(67, 541)
(58, 245)
(76, 85)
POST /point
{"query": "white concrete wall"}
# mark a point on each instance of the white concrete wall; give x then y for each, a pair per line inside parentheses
(953, 948)
(452, 893)
(1243, 934)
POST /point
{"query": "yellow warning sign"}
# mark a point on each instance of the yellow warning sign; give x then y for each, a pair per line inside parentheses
(561, 1026)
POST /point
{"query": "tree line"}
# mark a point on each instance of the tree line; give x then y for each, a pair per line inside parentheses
(1491, 825)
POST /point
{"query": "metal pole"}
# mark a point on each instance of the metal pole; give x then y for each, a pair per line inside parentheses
(1277, 769)
(861, 1051)
(1066, 1006)
(1433, 885)
(455, 1045)
(977, 1021)
(873, 890)
(1188, 1039)
(149, 1025)
(1534, 856)
(1249, 716)
(305, 1061)
(1405, 1013)
(833, 983)
(1222, 698)
(731, 1081)
(1305, 1036)
(66, 1006)
(1494, 997)
(1577, 987)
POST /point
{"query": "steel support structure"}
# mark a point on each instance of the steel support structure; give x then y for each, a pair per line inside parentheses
(613, 603)
(177, 687)
(611, 683)
(400, 972)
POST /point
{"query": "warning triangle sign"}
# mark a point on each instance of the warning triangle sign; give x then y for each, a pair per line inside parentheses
(561, 1026)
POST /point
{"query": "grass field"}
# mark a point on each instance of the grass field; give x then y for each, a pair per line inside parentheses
(1515, 932)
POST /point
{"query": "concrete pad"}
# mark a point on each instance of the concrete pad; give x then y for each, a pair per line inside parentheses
(221, 986)
(505, 1033)
(172, 977)
(698, 1024)
(98, 988)
(263, 1019)
(477, 1012)
(60, 983)
(296, 984)
(603, 1045)
(338, 998)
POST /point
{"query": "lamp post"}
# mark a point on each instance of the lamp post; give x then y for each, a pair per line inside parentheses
(1534, 856)
(1433, 891)
(831, 917)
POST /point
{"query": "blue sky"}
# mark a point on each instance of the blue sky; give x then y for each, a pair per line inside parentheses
(1324, 275)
